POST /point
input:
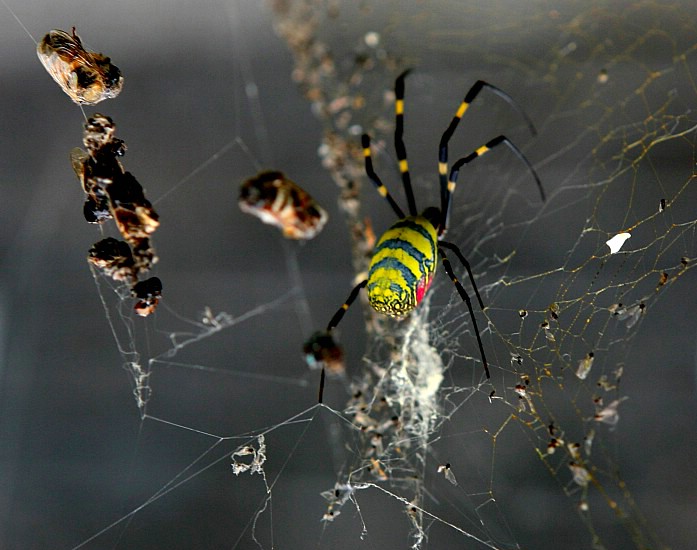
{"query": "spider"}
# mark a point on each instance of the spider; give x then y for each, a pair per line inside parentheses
(405, 258)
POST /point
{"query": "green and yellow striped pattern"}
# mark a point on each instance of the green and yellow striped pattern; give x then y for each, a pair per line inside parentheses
(402, 267)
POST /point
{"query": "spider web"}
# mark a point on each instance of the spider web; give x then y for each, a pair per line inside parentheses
(212, 438)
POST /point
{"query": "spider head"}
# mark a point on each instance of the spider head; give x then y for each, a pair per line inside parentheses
(433, 215)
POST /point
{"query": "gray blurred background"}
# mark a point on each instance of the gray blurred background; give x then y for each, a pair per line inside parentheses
(76, 457)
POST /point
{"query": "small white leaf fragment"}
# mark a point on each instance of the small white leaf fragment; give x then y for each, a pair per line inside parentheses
(617, 241)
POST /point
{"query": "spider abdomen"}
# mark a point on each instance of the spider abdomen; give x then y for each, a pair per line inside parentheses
(402, 266)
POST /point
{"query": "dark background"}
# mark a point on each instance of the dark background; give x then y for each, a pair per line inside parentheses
(76, 455)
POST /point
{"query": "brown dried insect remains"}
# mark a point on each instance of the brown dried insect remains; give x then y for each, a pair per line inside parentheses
(113, 193)
(276, 200)
(87, 77)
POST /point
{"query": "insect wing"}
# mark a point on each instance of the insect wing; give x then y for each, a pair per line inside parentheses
(79, 158)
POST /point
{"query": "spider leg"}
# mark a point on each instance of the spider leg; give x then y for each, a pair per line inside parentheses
(365, 142)
(463, 294)
(450, 130)
(347, 304)
(399, 141)
(455, 171)
(335, 320)
(464, 262)
(320, 395)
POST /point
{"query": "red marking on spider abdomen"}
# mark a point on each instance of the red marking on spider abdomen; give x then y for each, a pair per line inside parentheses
(422, 287)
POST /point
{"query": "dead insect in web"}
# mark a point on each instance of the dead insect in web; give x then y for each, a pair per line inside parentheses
(608, 415)
(144, 256)
(544, 325)
(553, 445)
(447, 471)
(148, 293)
(99, 166)
(99, 137)
(663, 279)
(554, 311)
(629, 314)
(114, 258)
(584, 366)
(278, 201)
(94, 178)
(574, 449)
(321, 350)
(580, 474)
(377, 470)
(247, 458)
(133, 213)
(87, 77)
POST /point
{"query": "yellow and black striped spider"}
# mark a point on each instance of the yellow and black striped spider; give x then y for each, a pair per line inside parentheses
(405, 258)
